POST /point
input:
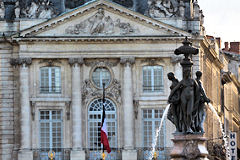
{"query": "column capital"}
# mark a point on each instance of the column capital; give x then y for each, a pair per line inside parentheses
(73, 61)
(127, 60)
(20, 61)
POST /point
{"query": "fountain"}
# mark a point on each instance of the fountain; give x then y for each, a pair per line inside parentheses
(187, 109)
(225, 139)
(158, 131)
(187, 112)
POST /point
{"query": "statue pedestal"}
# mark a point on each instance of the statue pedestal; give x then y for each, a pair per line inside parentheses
(189, 146)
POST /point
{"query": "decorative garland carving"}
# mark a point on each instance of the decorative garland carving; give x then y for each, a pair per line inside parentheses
(100, 24)
(20, 61)
(136, 104)
(152, 61)
(101, 62)
(50, 62)
(89, 92)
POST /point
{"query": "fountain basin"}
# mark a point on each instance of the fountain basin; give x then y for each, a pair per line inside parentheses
(189, 147)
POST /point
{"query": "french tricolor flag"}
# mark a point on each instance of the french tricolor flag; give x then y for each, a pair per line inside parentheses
(104, 134)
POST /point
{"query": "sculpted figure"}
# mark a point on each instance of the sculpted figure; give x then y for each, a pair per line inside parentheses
(97, 24)
(32, 12)
(2, 10)
(174, 113)
(161, 8)
(189, 96)
(201, 108)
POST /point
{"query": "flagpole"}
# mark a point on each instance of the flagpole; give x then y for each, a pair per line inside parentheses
(103, 107)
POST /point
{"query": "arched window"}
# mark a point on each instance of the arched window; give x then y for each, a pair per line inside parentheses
(50, 80)
(152, 79)
(94, 127)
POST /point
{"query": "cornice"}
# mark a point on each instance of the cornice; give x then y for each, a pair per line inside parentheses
(234, 80)
(100, 39)
(93, 6)
(213, 54)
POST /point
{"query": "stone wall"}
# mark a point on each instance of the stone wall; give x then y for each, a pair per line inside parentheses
(6, 103)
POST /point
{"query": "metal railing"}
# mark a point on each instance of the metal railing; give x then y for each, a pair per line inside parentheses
(161, 152)
(60, 153)
(116, 154)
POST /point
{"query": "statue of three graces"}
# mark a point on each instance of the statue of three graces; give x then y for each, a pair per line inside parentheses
(187, 98)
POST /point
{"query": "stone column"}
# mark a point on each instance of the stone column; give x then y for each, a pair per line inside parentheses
(25, 152)
(77, 153)
(128, 110)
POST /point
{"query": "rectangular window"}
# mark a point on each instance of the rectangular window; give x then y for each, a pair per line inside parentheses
(50, 80)
(151, 121)
(152, 79)
(51, 133)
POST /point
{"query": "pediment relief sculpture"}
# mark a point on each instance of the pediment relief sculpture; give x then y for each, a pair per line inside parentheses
(101, 24)
(165, 8)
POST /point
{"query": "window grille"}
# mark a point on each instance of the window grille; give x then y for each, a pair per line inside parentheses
(50, 80)
(51, 133)
(152, 79)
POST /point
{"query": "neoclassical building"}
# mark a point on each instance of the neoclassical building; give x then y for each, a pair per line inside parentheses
(55, 56)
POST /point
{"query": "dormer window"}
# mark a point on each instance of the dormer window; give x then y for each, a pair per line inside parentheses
(50, 80)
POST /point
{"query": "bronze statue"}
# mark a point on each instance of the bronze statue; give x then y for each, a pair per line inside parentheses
(201, 109)
(187, 97)
(174, 113)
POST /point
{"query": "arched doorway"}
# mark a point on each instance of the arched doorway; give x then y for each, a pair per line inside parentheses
(94, 128)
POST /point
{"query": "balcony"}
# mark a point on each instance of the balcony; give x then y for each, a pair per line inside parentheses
(116, 154)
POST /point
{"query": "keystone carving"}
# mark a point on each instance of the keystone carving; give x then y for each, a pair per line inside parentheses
(101, 24)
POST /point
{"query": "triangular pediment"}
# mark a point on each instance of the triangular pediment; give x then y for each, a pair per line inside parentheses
(101, 18)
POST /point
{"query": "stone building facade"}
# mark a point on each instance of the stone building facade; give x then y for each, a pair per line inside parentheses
(54, 58)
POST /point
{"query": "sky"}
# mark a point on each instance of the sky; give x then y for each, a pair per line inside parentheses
(222, 18)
